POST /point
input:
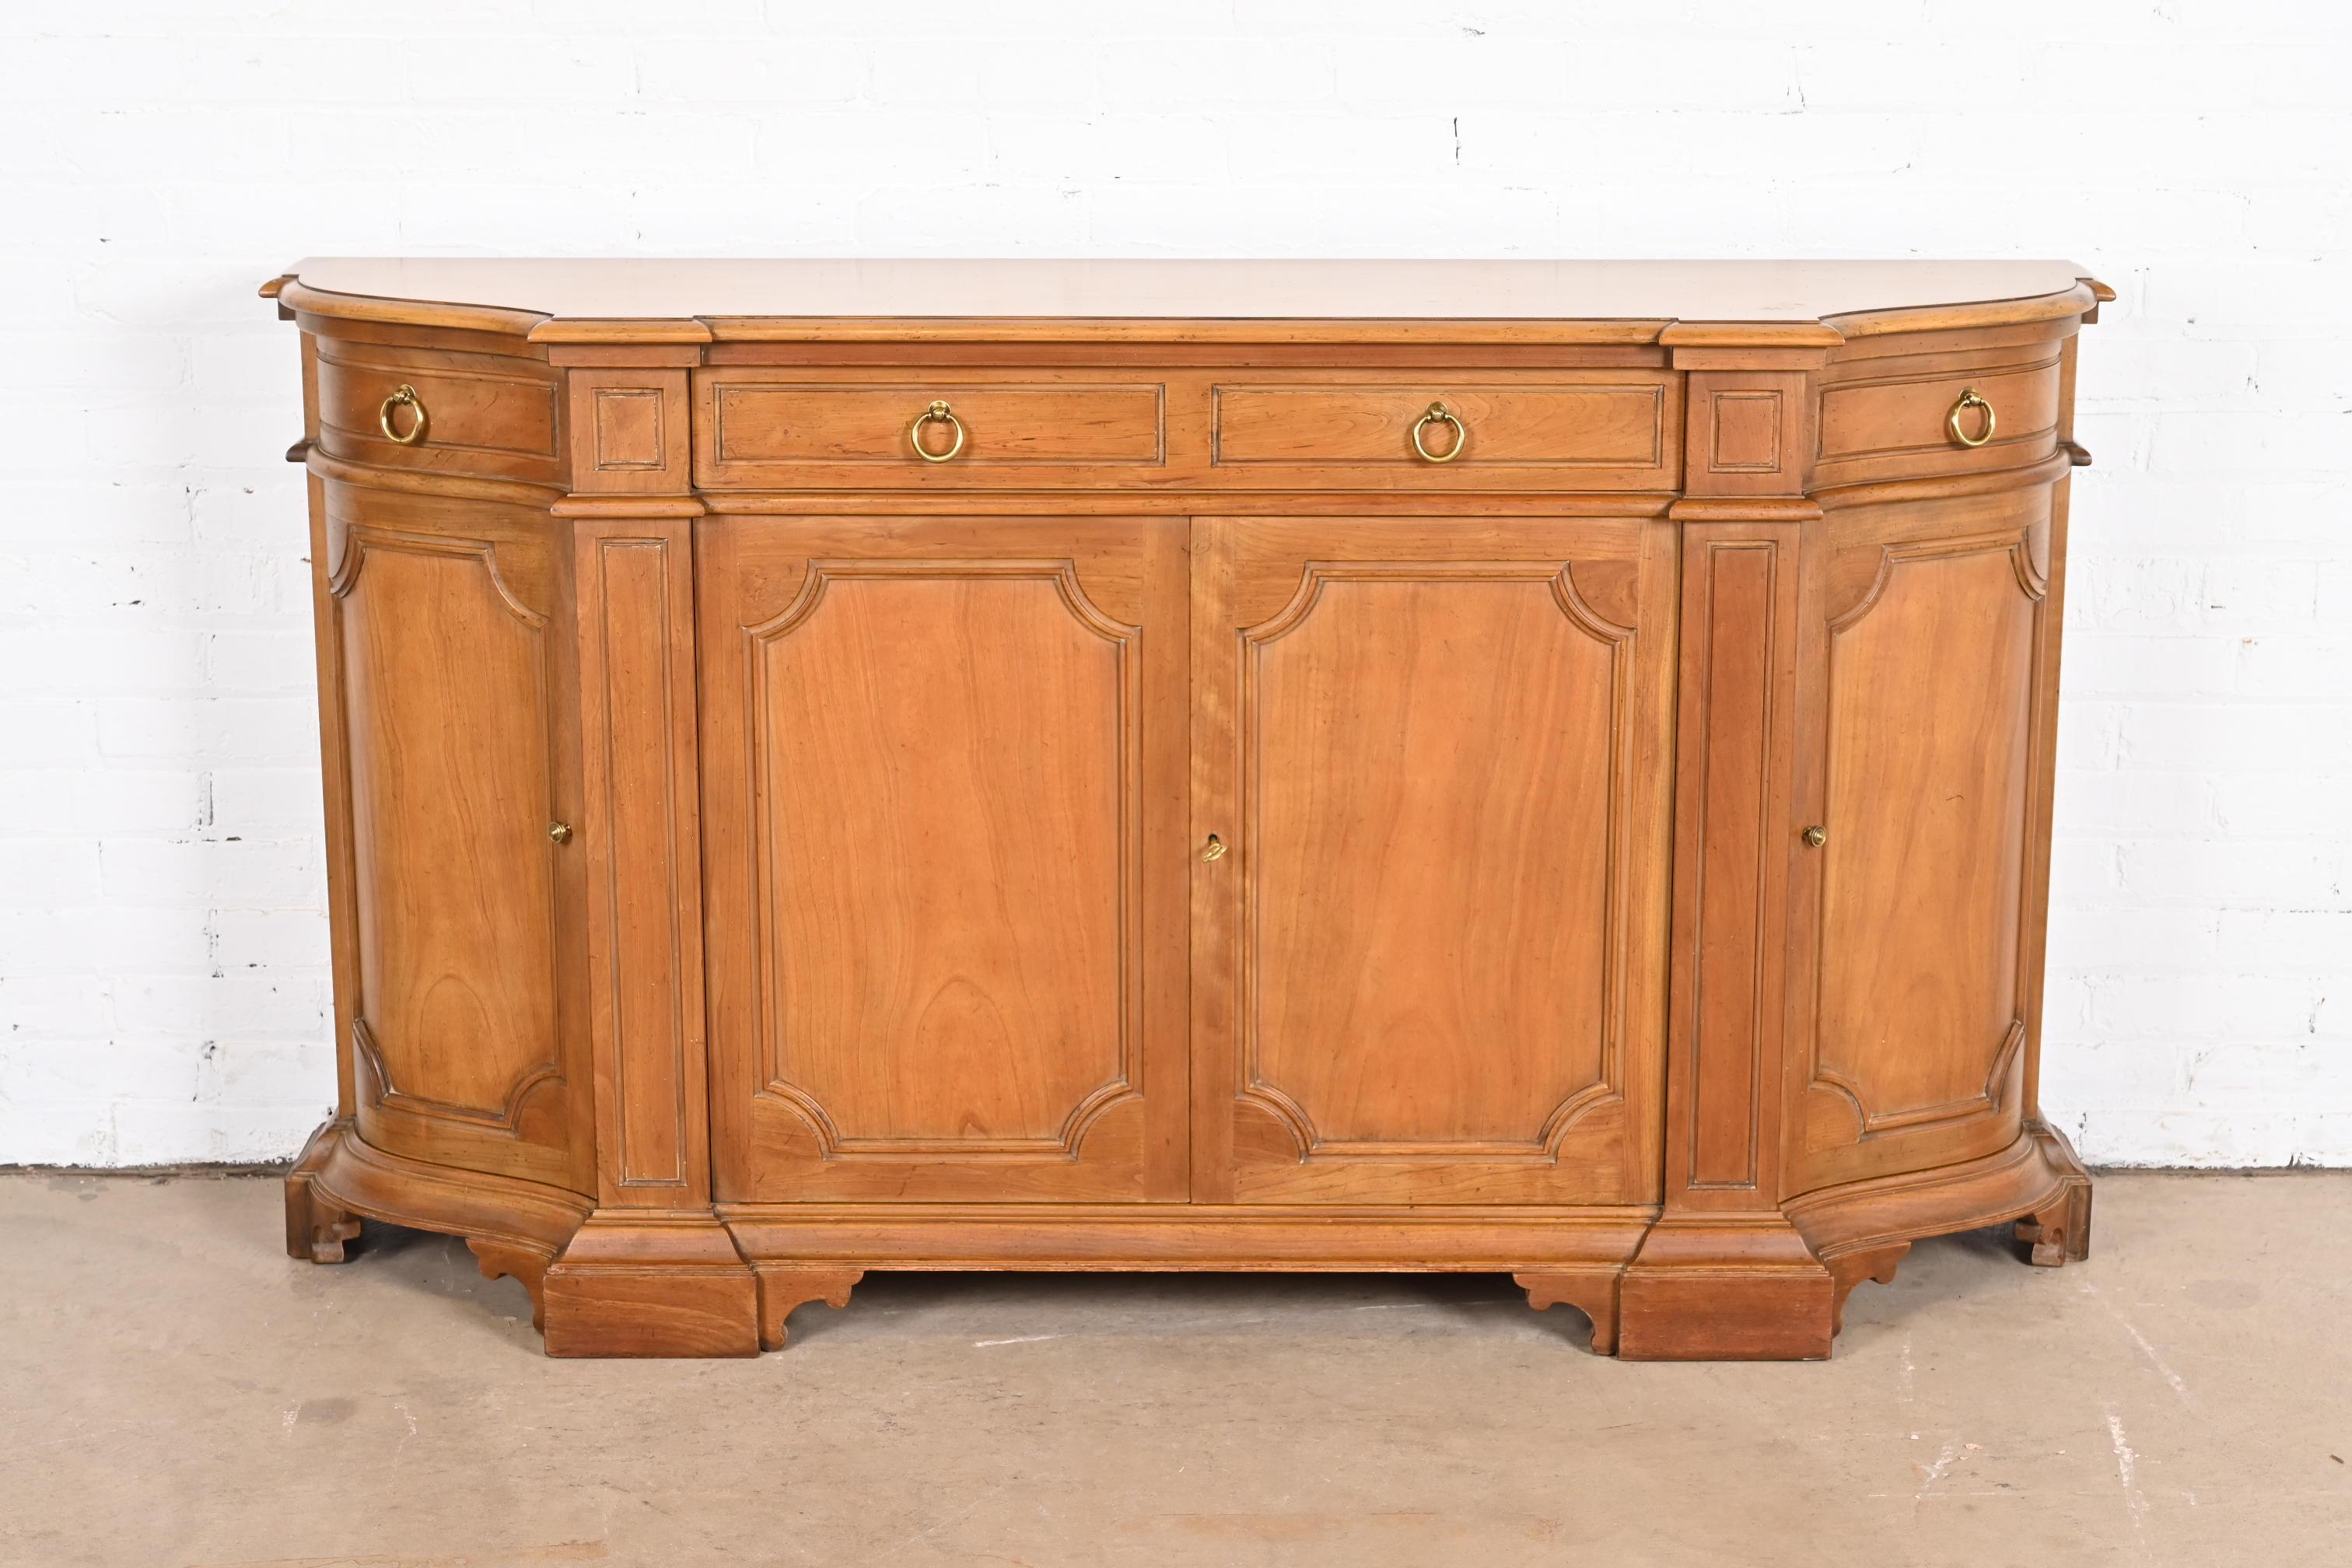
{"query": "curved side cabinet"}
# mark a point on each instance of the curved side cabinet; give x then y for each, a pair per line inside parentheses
(446, 690)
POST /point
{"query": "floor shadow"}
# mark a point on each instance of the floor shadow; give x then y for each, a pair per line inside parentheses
(1963, 1266)
(1174, 1303)
(429, 1263)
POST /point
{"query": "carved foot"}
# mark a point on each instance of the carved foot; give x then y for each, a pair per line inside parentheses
(316, 1228)
(1592, 1293)
(528, 1264)
(1850, 1270)
(781, 1288)
(2059, 1231)
(327, 1229)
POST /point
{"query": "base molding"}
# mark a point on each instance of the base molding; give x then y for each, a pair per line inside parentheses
(1688, 1285)
(2037, 1179)
(1144, 1238)
(514, 1227)
(651, 1284)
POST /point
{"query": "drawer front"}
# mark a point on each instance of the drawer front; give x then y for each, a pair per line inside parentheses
(1616, 430)
(755, 429)
(1892, 418)
(467, 414)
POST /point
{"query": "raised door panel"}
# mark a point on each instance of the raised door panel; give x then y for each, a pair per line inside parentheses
(940, 760)
(447, 670)
(1922, 679)
(1428, 942)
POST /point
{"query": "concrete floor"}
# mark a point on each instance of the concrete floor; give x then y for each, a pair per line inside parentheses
(178, 1391)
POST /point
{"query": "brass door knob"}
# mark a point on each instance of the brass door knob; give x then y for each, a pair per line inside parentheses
(1816, 836)
(559, 831)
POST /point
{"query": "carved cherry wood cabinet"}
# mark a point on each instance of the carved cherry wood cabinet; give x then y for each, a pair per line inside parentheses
(1530, 767)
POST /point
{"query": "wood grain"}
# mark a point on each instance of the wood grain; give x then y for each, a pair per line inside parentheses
(1912, 972)
(491, 416)
(1737, 714)
(1416, 719)
(447, 714)
(640, 840)
(940, 957)
(761, 427)
(1609, 423)
(1230, 300)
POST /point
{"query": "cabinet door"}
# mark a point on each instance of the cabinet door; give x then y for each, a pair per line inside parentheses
(1428, 961)
(944, 856)
(1925, 679)
(458, 947)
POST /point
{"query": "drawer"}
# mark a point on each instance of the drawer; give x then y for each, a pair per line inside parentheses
(1614, 430)
(1892, 418)
(755, 429)
(481, 415)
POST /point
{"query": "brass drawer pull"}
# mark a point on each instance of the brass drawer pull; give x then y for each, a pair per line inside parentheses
(559, 831)
(403, 394)
(1969, 399)
(1439, 414)
(941, 412)
(1215, 849)
(1815, 836)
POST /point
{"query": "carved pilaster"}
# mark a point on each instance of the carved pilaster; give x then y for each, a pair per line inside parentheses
(1731, 822)
(1723, 1273)
(653, 1271)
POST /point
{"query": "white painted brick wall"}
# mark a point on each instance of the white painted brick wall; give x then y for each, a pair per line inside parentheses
(162, 980)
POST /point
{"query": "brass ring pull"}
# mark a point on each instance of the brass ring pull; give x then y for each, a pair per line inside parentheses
(403, 393)
(939, 412)
(1439, 414)
(1969, 399)
(1215, 849)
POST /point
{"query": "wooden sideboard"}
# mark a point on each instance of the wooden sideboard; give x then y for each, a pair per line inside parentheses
(1518, 766)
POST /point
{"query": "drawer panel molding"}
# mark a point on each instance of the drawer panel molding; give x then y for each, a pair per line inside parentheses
(1596, 426)
(762, 428)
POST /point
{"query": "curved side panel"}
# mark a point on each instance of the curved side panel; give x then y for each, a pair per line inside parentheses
(1929, 696)
(447, 676)
(1925, 673)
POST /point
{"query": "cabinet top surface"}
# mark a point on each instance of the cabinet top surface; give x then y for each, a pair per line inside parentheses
(615, 293)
